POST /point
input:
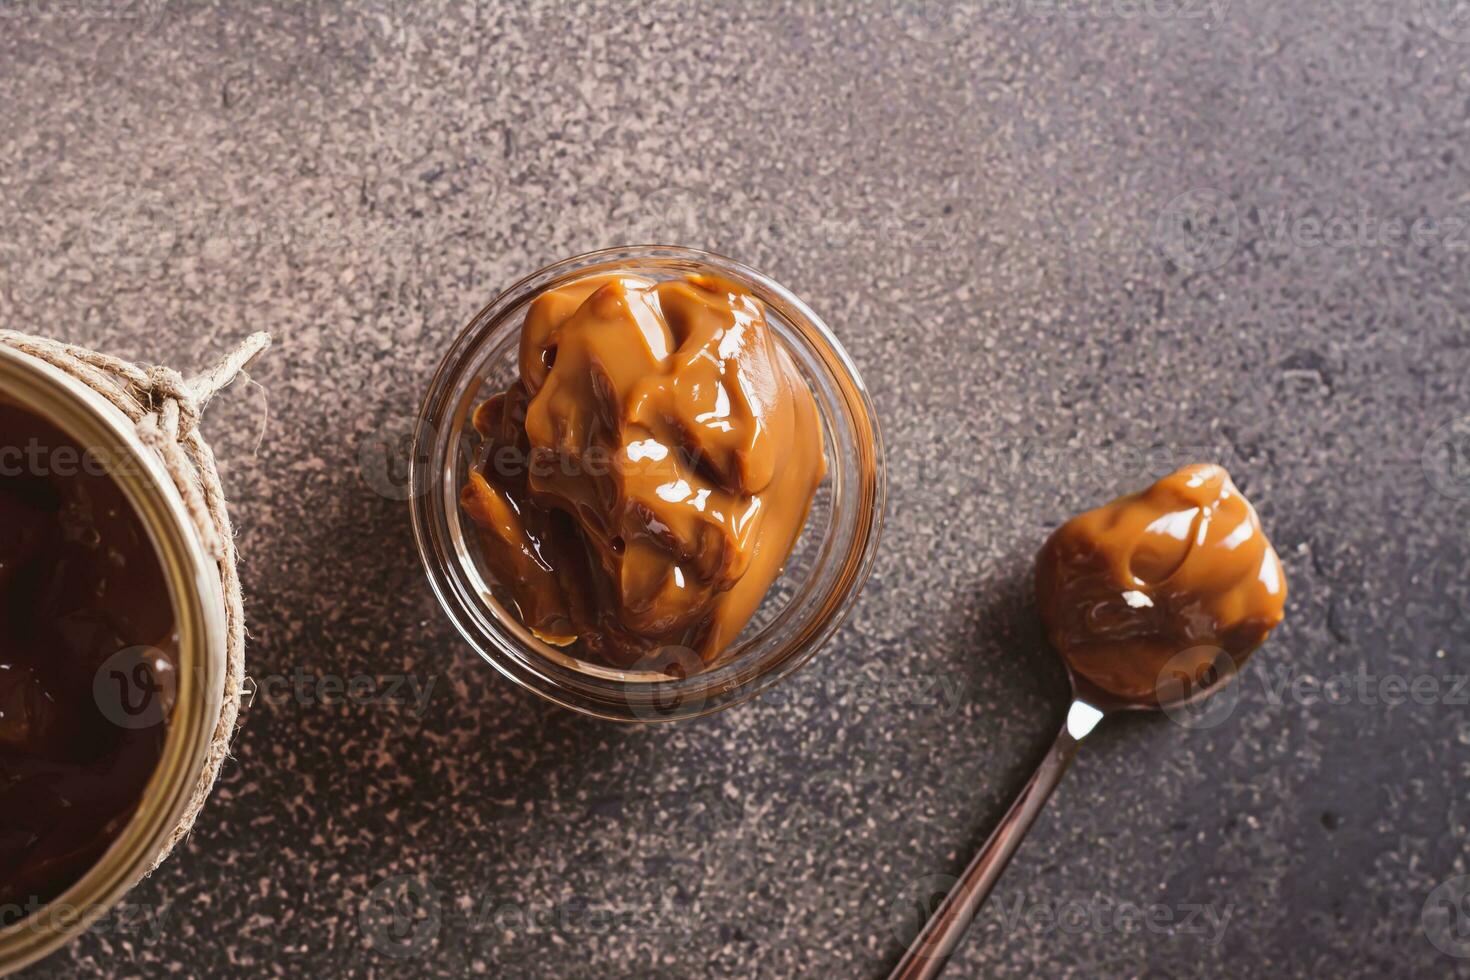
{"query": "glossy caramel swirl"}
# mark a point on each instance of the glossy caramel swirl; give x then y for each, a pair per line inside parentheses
(1181, 570)
(641, 484)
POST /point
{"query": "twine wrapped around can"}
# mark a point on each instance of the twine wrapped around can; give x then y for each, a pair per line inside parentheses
(165, 407)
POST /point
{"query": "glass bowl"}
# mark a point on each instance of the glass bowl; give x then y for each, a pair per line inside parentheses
(819, 582)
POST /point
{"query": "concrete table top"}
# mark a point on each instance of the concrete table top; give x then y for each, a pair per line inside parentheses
(1070, 244)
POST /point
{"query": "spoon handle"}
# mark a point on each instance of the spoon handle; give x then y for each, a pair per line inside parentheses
(927, 954)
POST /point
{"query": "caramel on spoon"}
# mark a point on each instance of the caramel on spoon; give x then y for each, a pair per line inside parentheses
(1154, 601)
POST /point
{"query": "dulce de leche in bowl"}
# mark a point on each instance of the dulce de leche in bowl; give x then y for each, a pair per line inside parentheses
(647, 483)
(641, 483)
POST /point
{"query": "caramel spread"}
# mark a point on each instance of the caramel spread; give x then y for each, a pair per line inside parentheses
(641, 484)
(1183, 566)
(79, 586)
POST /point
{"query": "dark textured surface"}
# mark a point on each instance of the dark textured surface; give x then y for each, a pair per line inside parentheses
(986, 206)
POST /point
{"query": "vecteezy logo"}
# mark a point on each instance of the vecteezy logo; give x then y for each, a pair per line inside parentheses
(401, 917)
(385, 457)
(942, 223)
(1196, 688)
(132, 229)
(1446, 458)
(143, 14)
(915, 905)
(657, 700)
(135, 688)
(1197, 230)
(943, 21)
(146, 15)
(1450, 19)
(1446, 917)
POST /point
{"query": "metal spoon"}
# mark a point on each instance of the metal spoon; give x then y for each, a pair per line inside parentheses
(1196, 544)
(927, 954)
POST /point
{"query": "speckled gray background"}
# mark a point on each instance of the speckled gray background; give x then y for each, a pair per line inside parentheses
(1069, 243)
